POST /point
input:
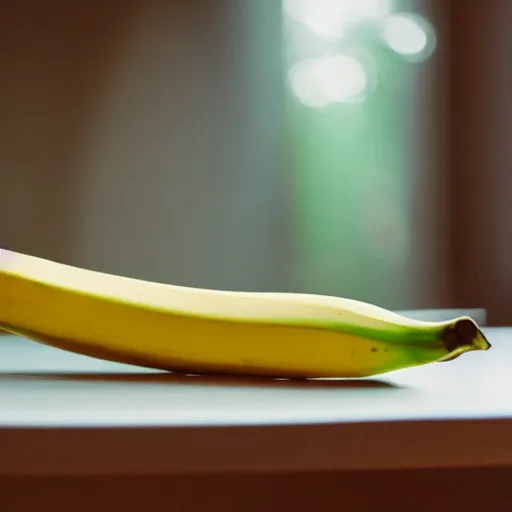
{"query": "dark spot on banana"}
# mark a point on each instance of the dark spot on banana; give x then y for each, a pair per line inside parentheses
(451, 339)
(374, 349)
(466, 328)
(459, 335)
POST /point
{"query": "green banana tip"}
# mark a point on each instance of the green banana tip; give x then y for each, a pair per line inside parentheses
(463, 335)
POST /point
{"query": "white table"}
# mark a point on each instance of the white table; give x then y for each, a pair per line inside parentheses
(61, 413)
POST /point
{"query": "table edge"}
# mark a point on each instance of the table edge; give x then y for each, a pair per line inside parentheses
(243, 449)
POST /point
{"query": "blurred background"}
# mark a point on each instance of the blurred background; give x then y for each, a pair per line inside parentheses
(348, 147)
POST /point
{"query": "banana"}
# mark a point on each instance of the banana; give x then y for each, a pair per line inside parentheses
(179, 328)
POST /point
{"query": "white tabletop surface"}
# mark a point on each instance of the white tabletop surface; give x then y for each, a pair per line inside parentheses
(65, 413)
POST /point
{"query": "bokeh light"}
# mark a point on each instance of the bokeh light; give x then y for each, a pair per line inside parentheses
(350, 64)
(408, 35)
(329, 18)
(331, 79)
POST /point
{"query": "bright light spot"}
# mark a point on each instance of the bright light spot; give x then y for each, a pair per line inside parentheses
(343, 78)
(338, 78)
(407, 35)
(370, 8)
(306, 84)
(329, 18)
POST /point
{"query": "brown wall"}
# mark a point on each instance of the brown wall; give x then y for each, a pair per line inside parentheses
(126, 128)
(481, 150)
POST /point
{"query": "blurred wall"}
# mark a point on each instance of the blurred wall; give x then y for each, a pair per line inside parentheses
(143, 138)
(147, 139)
(427, 282)
(481, 186)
